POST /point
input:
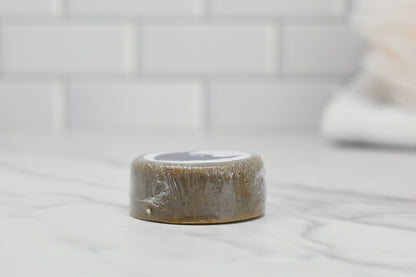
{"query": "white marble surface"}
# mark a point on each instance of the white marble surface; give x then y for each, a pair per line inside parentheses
(330, 212)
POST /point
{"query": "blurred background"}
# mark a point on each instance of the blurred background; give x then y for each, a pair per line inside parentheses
(194, 66)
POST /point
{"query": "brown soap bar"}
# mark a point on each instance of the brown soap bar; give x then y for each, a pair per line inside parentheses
(197, 187)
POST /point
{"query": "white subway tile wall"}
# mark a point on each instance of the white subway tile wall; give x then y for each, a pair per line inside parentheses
(27, 7)
(66, 48)
(205, 49)
(177, 65)
(133, 105)
(319, 50)
(259, 106)
(26, 105)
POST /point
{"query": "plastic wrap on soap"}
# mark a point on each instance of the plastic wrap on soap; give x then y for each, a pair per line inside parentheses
(197, 193)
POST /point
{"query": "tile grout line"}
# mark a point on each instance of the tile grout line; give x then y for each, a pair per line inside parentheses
(348, 10)
(1, 51)
(202, 107)
(139, 48)
(131, 50)
(280, 49)
(61, 9)
(196, 17)
(307, 77)
(65, 9)
(348, 7)
(207, 106)
(200, 10)
(271, 50)
(60, 105)
(207, 9)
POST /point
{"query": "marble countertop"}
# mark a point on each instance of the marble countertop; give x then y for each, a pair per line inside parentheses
(331, 211)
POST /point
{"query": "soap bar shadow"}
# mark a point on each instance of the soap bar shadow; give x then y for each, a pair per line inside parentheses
(203, 223)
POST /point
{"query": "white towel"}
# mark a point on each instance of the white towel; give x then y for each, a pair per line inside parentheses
(380, 105)
(353, 117)
(389, 27)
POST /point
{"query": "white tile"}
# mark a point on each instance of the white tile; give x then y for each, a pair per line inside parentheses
(266, 106)
(131, 7)
(133, 105)
(320, 50)
(27, 7)
(206, 48)
(67, 48)
(26, 105)
(278, 7)
(370, 5)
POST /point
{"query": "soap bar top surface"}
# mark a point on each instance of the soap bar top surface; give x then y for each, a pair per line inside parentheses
(197, 157)
(197, 187)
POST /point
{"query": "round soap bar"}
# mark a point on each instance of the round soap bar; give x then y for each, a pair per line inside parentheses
(198, 187)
